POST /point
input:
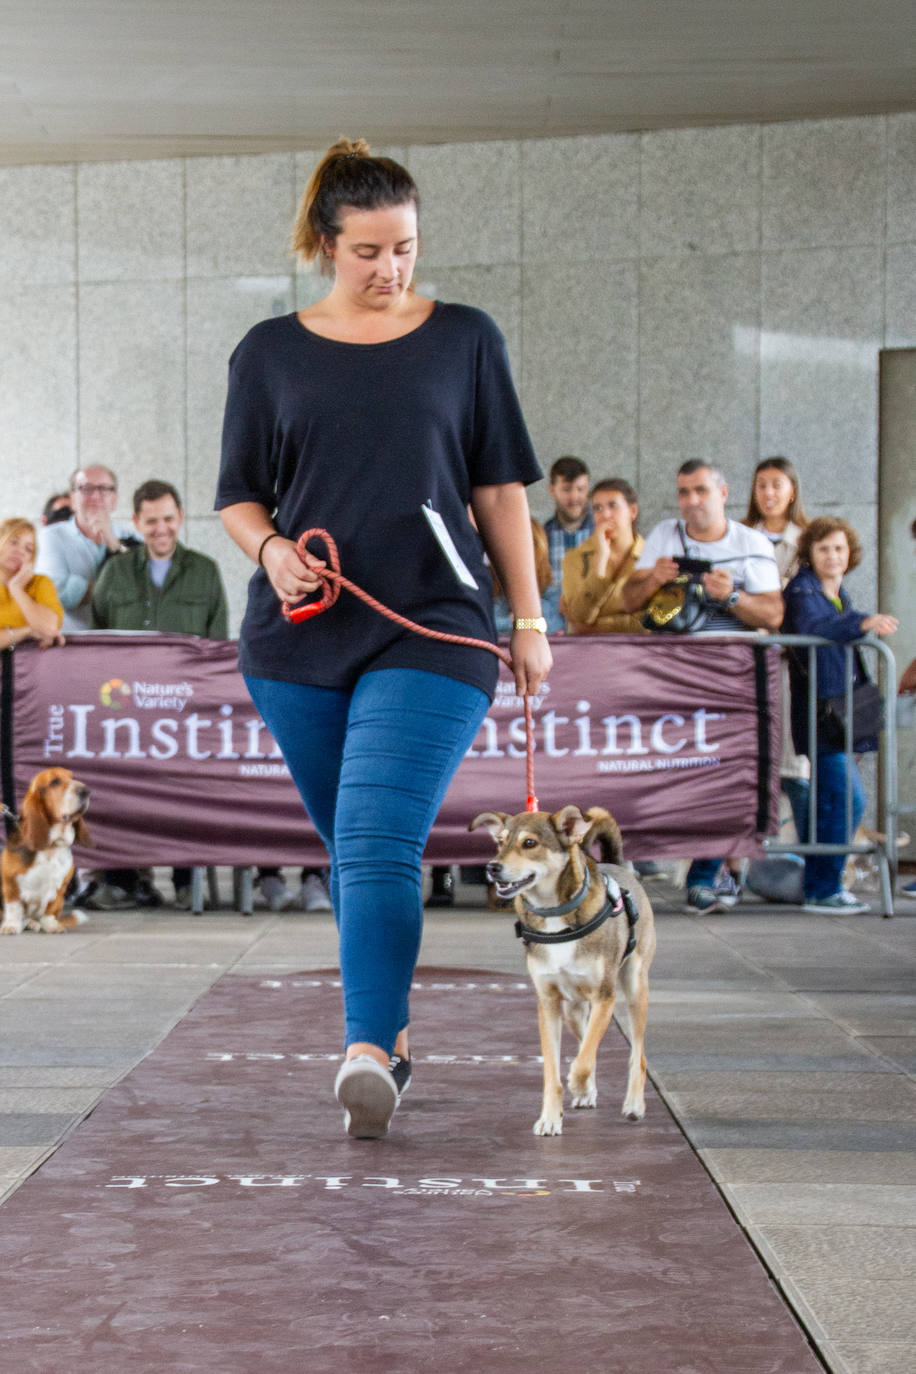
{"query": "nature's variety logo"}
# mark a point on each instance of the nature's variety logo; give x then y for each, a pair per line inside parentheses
(113, 693)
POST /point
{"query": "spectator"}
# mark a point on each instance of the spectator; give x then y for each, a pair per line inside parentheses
(313, 891)
(744, 586)
(29, 604)
(594, 573)
(56, 508)
(157, 585)
(907, 687)
(907, 682)
(160, 584)
(72, 551)
(817, 603)
(775, 508)
(569, 525)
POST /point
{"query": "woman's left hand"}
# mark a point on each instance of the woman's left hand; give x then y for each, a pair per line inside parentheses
(531, 659)
(881, 624)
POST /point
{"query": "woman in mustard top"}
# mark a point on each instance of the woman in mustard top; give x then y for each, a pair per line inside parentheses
(29, 604)
(594, 574)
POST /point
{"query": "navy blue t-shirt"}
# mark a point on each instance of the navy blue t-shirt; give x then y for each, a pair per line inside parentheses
(355, 439)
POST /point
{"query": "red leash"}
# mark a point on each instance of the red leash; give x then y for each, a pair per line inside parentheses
(332, 579)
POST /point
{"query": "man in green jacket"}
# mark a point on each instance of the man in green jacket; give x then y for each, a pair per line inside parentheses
(159, 585)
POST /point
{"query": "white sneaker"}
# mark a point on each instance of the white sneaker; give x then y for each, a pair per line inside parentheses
(313, 895)
(726, 889)
(276, 894)
(836, 905)
(367, 1092)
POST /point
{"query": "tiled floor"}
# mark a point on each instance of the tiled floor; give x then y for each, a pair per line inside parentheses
(785, 1044)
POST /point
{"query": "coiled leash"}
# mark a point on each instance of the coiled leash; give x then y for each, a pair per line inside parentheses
(332, 579)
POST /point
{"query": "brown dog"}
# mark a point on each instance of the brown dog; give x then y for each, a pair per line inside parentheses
(36, 864)
(582, 936)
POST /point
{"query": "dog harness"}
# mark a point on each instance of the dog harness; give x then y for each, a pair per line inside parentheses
(617, 900)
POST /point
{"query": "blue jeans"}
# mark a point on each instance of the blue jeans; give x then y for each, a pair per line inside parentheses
(372, 767)
(798, 791)
(823, 872)
(703, 872)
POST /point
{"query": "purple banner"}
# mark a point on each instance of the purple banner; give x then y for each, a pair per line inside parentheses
(678, 738)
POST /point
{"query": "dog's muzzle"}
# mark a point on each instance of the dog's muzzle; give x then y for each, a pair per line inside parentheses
(506, 887)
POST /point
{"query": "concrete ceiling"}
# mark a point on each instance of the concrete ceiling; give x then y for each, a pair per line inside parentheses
(111, 79)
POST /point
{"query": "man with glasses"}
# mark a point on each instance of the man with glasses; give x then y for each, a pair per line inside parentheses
(72, 552)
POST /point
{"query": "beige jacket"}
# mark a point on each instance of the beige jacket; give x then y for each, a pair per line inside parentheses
(593, 604)
(786, 551)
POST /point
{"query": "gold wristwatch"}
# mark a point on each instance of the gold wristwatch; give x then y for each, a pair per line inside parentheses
(531, 622)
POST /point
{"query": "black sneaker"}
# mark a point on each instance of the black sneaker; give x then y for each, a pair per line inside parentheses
(443, 888)
(147, 895)
(400, 1071)
(84, 897)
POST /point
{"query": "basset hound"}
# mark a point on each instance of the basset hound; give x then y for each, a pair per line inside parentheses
(36, 865)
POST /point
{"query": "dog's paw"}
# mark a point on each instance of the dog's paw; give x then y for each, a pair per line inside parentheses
(548, 1125)
(634, 1109)
(589, 1098)
(7, 929)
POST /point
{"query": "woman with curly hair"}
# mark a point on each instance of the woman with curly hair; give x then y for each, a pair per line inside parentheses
(817, 603)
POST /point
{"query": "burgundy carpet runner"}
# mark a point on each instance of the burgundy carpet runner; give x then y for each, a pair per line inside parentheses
(211, 1215)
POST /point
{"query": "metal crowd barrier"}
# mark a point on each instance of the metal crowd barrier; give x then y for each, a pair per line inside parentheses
(884, 846)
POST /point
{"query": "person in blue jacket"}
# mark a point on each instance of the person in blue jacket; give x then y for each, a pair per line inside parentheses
(817, 603)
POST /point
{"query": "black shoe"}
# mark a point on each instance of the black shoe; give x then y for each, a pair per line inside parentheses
(145, 894)
(443, 890)
(400, 1071)
(84, 898)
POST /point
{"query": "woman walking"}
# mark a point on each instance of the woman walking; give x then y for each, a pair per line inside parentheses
(379, 415)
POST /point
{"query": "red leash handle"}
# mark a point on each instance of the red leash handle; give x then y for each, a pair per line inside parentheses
(332, 579)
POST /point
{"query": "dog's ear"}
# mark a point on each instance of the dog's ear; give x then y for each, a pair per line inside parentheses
(34, 823)
(494, 821)
(81, 833)
(570, 824)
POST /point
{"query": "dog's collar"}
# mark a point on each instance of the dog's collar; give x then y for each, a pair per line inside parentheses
(612, 907)
(566, 907)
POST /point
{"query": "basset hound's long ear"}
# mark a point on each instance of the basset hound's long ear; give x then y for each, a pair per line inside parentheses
(81, 835)
(34, 822)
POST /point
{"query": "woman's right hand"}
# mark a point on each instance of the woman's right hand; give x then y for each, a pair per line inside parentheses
(878, 624)
(291, 578)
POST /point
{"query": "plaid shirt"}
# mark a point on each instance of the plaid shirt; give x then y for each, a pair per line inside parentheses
(559, 543)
